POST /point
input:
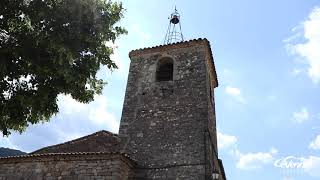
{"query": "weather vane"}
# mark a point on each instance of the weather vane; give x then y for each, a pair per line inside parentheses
(174, 33)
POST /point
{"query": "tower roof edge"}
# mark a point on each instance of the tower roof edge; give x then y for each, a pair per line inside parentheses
(182, 44)
(136, 52)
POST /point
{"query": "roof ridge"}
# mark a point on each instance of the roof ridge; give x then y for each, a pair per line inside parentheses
(67, 153)
(171, 44)
(76, 140)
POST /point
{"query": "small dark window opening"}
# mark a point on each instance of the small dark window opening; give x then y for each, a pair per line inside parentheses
(165, 70)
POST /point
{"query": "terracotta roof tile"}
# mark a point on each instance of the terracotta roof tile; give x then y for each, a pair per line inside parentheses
(166, 45)
(98, 141)
(62, 154)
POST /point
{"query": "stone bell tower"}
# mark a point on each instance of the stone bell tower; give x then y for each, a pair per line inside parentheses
(168, 123)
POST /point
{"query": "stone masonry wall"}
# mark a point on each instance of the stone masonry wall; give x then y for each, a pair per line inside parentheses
(188, 172)
(66, 167)
(164, 124)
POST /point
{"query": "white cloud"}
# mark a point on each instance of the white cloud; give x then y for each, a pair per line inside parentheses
(236, 93)
(63, 136)
(273, 150)
(308, 49)
(315, 127)
(301, 116)
(101, 116)
(311, 165)
(315, 144)
(139, 32)
(5, 142)
(68, 105)
(288, 178)
(95, 111)
(254, 160)
(245, 161)
(122, 64)
(225, 141)
(297, 71)
(257, 160)
(73, 121)
(233, 91)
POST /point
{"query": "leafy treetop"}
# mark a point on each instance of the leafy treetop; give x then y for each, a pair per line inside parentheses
(52, 47)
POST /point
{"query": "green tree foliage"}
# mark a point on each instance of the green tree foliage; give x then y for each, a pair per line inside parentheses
(52, 47)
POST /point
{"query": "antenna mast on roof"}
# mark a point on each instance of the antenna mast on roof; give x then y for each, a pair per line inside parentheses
(174, 33)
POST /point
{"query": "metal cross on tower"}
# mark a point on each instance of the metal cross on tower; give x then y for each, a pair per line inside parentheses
(174, 33)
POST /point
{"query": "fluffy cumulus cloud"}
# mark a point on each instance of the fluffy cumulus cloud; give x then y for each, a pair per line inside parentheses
(6, 142)
(120, 58)
(306, 42)
(311, 165)
(99, 115)
(73, 121)
(96, 112)
(235, 93)
(68, 105)
(136, 28)
(245, 161)
(250, 161)
(288, 178)
(301, 116)
(225, 141)
(315, 144)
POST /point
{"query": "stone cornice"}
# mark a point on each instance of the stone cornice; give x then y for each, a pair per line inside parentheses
(67, 157)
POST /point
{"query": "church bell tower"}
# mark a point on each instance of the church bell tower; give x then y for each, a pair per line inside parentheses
(168, 123)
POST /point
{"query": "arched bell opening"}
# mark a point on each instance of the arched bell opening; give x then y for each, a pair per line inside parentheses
(164, 70)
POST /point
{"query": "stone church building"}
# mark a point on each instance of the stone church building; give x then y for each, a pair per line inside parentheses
(167, 128)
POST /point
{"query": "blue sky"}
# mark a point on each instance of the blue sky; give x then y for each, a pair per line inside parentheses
(267, 56)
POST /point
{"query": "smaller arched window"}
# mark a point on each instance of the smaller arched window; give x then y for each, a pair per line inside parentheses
(164, 69)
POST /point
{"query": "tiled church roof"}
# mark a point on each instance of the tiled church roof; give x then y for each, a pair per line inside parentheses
(62, 154)
(101, 141)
